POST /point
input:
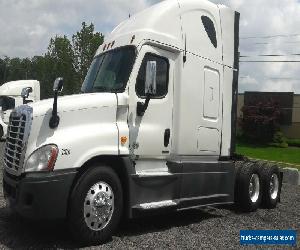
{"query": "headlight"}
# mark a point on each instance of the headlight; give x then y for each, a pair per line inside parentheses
(43, 159)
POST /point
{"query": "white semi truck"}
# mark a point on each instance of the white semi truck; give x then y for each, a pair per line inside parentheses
(153, 129)
(11, 97)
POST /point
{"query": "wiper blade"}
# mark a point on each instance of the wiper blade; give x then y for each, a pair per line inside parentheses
(101, 88)
(105, 89)
(115, 90)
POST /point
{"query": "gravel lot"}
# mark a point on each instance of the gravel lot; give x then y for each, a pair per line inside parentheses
(194, 229)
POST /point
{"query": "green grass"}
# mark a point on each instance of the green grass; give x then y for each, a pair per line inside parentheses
(288, 155)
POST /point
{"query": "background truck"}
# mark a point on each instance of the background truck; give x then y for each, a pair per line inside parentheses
(153, 129)
(11, 97)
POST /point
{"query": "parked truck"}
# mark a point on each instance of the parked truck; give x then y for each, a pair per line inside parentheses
(11, 97)
(153, 129)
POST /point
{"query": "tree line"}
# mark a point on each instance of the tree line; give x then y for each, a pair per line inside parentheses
(68, 58)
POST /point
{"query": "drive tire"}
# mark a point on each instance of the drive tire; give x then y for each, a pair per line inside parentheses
(1, 133)
(237, 168)
(77, 218)
(249, 179)
(271, 186)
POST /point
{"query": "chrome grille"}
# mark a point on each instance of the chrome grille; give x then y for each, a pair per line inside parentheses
(16, 139)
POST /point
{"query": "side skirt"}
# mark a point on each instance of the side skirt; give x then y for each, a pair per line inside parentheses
(184, 185)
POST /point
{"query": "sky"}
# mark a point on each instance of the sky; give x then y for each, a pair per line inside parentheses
(27, 26)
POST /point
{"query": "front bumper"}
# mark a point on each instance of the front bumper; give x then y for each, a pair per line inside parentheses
(39, 195)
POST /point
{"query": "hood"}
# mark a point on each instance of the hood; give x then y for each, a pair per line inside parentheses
(75, 102)
(87, 127)
(14, 88)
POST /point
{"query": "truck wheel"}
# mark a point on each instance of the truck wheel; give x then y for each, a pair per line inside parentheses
(96, 205)
(270, 186)
(249, 187)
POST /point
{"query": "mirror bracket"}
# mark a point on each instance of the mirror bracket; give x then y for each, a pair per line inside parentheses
(54, 121)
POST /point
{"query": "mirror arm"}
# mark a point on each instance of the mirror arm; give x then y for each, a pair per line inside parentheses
(148, 97)
(142, 107)
(54, 120)
(57, 87)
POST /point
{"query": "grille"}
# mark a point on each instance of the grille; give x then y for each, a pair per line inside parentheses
(16, 139)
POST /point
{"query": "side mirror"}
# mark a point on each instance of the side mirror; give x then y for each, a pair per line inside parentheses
(58, 85)
(25, 92)
(150, 87)
(57, 88)
(150, 81)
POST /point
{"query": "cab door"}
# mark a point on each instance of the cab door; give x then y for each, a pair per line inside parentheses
(151, 133)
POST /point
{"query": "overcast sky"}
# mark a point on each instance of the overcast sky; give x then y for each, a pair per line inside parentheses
(27, 26)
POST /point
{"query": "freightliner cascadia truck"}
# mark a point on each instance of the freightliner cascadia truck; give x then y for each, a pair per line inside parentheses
(152, 129)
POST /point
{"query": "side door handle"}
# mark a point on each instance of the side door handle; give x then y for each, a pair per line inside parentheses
(167, 137)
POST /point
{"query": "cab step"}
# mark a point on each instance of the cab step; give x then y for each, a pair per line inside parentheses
(156, 205)
(153, 174)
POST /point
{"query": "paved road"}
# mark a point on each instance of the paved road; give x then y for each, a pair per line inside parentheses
(194, 229)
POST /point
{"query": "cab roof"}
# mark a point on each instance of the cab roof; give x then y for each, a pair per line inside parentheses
(160, 22)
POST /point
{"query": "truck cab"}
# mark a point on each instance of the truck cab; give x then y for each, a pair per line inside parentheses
(11, 97)
(153, 127)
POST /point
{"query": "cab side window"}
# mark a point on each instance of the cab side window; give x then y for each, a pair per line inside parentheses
(162, 76)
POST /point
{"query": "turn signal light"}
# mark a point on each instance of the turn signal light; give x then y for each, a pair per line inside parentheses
(52, 158)
(123, 140)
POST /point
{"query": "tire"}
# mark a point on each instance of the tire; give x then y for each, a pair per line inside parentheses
(237, 168)
(1, 133)
(95, 207)
(249, 197)
(271, 185)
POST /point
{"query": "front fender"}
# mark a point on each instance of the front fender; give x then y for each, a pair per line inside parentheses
(77, 148)
(81, 135)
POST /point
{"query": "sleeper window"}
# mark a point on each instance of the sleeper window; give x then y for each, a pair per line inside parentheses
(210, 30)
(162, 76)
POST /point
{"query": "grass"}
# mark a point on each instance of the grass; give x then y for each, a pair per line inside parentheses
(287, 155)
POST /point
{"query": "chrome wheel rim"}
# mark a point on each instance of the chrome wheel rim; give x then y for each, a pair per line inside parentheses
(254, 188)
(98, 206)
(274, 186)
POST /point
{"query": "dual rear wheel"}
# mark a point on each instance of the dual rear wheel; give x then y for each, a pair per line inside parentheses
(257, 184)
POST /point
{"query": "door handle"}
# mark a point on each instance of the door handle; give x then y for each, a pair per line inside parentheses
(167, 137)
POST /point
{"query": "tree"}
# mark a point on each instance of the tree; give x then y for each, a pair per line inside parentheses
(16, 69)
(41, 72)
(64, 58)
(60, 62)
(85, 44)
(3, 69)
(260, 121)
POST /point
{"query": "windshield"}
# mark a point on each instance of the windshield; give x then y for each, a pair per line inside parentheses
(7, 103)
(109, 72)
